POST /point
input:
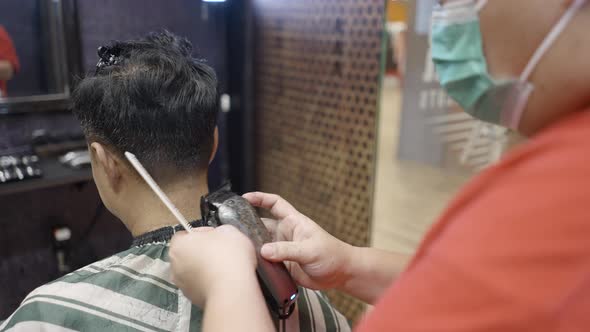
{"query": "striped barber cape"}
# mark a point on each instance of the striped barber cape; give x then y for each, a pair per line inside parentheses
(133, 291)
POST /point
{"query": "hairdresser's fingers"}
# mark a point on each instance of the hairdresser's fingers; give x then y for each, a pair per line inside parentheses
(279, 231)
(178, 245)
(277, 206)
(286, 251)
(287, 227)
(183, 238)
(271, 226)
(202, 229)
(180, 234)
(300, 276)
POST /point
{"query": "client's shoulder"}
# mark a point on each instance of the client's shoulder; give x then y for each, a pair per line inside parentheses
(115, 293)
(135, 264)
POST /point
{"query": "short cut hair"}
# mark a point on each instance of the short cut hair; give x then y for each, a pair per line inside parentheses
(154, 99)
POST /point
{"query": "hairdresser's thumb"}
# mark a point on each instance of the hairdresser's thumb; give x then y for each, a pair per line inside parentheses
(283, 251)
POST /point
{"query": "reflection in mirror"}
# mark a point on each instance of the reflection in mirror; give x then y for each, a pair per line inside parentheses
(408, 195)
(427, 147)
(32, 51)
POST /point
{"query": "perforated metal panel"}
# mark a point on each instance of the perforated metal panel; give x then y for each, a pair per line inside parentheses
(317, 85)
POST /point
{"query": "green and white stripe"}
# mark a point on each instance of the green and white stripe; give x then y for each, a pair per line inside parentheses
(40, 326)
(133, 291)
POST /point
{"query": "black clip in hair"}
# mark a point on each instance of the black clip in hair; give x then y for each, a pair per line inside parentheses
(109, 56)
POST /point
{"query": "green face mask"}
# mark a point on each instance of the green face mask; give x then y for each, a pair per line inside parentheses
(457, 53)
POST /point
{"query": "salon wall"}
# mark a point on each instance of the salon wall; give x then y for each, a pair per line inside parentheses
(203, 24)
(317, 73)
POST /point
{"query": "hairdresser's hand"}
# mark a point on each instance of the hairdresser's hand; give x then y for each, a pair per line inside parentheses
(315, 258)
(210, 262)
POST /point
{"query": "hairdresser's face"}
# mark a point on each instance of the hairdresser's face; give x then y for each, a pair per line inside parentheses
(510, 44)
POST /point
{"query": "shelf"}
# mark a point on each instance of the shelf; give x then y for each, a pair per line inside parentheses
(54, 174)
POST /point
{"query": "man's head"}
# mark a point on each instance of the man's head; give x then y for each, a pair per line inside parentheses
(152, 98)
(512, 31)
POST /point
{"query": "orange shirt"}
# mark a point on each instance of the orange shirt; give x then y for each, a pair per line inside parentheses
(511, 252)
(8, 53)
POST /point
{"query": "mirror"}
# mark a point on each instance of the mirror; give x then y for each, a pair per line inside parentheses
(427, 146)
(33, 57)
(409, 192)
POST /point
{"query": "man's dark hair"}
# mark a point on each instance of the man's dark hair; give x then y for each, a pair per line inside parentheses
(152, 98)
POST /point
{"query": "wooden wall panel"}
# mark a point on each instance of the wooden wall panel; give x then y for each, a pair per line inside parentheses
(317, 69)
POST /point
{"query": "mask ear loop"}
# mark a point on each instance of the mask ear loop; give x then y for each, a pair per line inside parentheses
(551, 38)
(480, 4)
(522, 95)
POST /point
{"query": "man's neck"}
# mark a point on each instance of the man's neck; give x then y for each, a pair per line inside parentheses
(149, 214)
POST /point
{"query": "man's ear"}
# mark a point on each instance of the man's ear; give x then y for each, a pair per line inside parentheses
(215, 144)
(108, 164)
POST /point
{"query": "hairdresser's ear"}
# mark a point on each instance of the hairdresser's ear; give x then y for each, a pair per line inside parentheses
(215, 144)
(107, 164)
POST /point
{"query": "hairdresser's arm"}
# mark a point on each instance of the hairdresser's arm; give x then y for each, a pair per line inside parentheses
(216, 270)
(318, 260)
(371, 272)
(6, 70)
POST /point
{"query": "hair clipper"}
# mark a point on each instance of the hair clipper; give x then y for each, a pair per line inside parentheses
(223, 207)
